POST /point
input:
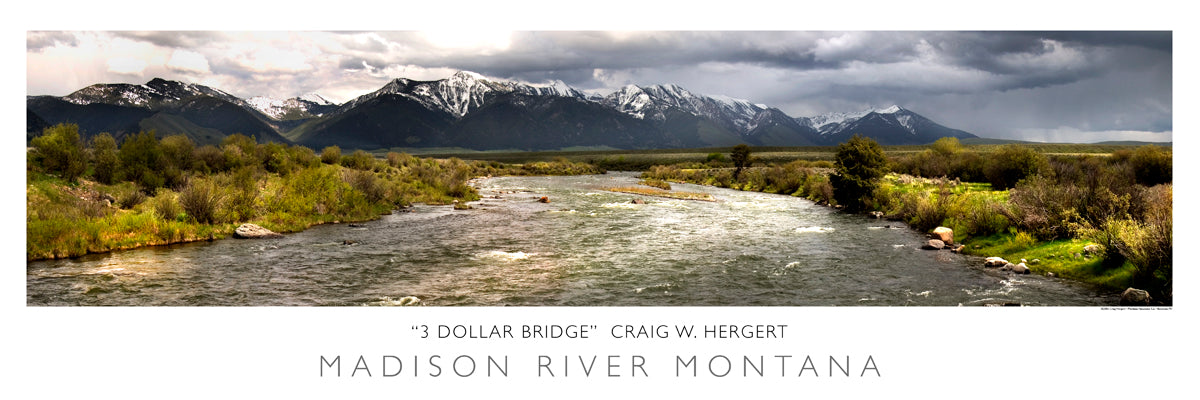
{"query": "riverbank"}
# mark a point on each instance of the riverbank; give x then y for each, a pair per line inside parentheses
(969, 209)
(586, 247)
(161, 192)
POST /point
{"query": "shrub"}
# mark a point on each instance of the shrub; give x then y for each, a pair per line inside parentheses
(655, 183)
(241, 192)
(817, 188)
(1146, 244)
(60, 150)
(107, 163)
(398, 160)
(947, 146)
(165, 205)
(1011, 164)
(277, 158)
(303, 157)
(740, 155)
(366, 183)
(331, 155)
(131, 199)
(179, 151)
(359, 160)
(979, 214)
(1151, 165)
(209, 159)
(933, 209)
(1043, 208)
(200, 200)
(860, 164)
(142, 161)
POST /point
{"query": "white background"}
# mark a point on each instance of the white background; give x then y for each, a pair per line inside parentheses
(266, 352)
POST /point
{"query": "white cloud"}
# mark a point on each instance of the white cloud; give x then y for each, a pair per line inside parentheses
(188, 61)
(127, 66)
(274, 60)
(1065, 134)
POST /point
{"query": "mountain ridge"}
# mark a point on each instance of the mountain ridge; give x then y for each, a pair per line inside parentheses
(464, 110)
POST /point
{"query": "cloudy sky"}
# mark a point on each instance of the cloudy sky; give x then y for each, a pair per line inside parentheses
(1045, 86)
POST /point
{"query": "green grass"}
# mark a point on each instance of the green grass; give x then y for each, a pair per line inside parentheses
(1056, 256)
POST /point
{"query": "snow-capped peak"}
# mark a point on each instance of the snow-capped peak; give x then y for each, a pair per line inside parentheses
(315, 98)
(890, 110)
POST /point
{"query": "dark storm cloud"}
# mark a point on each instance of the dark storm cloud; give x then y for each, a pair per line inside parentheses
(177, 39)
(989, 82)
(36, 41)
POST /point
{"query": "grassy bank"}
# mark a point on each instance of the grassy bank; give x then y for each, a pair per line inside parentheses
(1013, 203)
(91, 199)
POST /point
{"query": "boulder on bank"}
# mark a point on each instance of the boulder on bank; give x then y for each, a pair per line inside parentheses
(252, 231)
(1020, 268)
(993, 262)
(1135, 297)
(876, 214)
(944, 234)
(1091, 249)
(934, 244)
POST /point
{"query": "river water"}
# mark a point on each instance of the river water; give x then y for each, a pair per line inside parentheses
(587, 247)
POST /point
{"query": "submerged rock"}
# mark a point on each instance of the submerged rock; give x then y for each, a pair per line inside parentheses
(638, 201)
(1135, 297)
(252, 231)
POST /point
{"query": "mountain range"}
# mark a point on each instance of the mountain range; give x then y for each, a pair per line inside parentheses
(470, 111)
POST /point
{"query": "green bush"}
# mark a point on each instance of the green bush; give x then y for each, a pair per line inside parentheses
(331, 155)
(1043, 208)
(131, 199)
(179, 151)
(106, 162)
(1151, 165)
(740, 155)
(60, 150)
(201, 200)
(859, 163)
(359, 160)
(209, 159)
(1011, 164)
(165, 206)
(367, 183)
(241, 192)
(655, 183)
(142, 161)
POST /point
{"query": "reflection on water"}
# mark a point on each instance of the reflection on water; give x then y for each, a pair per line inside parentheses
(587, 247)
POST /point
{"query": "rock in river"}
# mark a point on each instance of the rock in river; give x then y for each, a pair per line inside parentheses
(993, 262)
(944, 234)
(252, 231)
(934, 244)
(1135, 297)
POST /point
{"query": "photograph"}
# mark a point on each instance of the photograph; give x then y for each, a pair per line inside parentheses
(599, 168)
(598, 200)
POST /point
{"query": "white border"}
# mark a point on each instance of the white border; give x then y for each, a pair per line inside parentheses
(272, 352)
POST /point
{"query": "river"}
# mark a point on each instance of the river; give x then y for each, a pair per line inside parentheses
(586, 247)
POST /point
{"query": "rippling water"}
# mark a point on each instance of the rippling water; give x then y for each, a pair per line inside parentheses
(587, 247)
